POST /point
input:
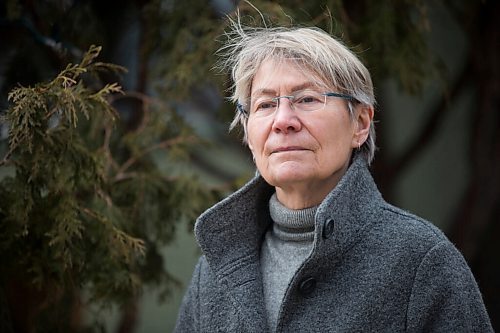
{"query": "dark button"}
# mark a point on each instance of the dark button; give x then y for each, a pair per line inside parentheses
(328, 228)
(307, 286)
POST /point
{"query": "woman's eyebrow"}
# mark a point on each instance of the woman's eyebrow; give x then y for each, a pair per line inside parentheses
(264, 92)
(267, 91)
(303, 86)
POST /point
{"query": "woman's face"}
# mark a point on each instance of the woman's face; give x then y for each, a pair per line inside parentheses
(297, 151)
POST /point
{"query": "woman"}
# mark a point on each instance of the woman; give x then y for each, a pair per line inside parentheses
(309, 245)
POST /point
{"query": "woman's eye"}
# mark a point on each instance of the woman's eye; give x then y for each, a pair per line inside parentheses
(265, 106)
(307, 100)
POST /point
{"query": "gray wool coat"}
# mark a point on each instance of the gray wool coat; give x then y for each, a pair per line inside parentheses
(373, 268)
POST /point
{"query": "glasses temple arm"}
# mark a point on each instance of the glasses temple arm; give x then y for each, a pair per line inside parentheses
(241, 109)
(344, 96)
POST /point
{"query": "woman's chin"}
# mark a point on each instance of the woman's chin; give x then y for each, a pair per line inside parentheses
(288, 174)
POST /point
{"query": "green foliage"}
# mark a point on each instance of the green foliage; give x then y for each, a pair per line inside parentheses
(87, 207)
(184, 33)
(388, 35)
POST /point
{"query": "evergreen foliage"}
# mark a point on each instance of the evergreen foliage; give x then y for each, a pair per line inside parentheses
(86, 206)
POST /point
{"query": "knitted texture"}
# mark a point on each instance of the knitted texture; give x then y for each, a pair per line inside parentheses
(286, 245)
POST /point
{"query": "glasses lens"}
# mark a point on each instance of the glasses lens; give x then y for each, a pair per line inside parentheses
(264, 105)
(309, 100)
(306, 100)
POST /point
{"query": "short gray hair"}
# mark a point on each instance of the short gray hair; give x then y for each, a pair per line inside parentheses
(328, 59)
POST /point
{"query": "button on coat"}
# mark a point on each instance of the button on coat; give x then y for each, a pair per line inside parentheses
(307, 286)
(328, 228)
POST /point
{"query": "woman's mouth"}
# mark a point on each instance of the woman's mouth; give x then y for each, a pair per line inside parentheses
(288, 148)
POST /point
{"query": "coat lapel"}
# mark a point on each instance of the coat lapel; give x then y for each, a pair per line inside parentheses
(230, 235)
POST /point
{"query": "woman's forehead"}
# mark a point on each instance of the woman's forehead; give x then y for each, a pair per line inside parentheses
(288, 74)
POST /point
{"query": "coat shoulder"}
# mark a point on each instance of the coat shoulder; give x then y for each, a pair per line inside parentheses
(404, 227)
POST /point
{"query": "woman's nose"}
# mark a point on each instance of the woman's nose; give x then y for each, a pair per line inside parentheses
(285, 117)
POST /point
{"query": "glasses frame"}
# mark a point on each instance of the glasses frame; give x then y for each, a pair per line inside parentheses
(350, 98)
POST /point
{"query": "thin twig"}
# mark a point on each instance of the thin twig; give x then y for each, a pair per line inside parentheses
(161, 145)
(107, 151)
(6, 159)
(125, 176)
(105, 197)
(90, 213)
(146, 102)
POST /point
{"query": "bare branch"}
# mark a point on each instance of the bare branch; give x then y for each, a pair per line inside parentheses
(429, 130)
(161, 145)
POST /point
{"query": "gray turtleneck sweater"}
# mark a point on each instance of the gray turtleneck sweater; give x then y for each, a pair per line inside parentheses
(286, 245)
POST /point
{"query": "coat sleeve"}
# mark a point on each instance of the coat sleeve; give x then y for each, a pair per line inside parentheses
(188, 318)
(445, 296)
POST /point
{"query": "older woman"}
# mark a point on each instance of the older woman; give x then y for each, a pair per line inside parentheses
(309, 245)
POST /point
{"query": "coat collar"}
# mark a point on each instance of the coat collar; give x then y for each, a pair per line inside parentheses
(352, 206)
(231, 232)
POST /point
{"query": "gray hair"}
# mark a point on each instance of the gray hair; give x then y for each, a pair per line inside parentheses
(326, 58)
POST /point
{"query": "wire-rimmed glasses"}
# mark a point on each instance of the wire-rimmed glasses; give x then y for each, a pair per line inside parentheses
(304, 100)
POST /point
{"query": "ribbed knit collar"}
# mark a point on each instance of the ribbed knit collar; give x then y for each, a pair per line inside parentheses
(290, 224)
(230, 233)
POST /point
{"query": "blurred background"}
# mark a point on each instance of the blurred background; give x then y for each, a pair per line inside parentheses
(436, 69)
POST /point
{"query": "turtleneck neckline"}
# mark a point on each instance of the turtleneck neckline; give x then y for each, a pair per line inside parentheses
(292, 224)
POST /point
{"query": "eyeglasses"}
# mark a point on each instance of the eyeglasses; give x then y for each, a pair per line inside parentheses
(305, 100)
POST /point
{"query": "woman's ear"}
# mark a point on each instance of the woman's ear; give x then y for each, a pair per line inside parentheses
(363, 120)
